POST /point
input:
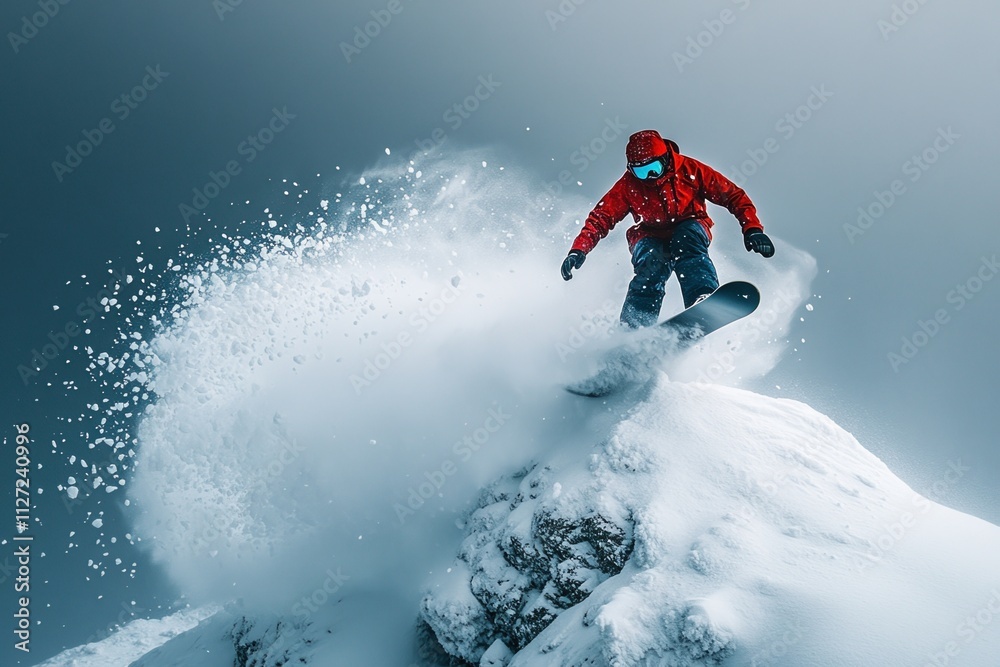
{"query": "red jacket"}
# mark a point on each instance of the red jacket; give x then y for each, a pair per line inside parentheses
(659, 206)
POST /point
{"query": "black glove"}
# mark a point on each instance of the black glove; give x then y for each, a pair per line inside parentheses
(574, 260)
(758, 241)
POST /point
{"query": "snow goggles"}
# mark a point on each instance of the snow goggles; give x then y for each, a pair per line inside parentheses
(649, 170)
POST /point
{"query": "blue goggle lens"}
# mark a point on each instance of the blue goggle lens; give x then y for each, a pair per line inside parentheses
(649, 170)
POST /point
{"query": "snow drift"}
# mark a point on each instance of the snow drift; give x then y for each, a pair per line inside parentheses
(134, 640)
(329, 398)
(757, 532)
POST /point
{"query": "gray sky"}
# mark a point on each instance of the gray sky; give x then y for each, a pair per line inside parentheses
(720, 77)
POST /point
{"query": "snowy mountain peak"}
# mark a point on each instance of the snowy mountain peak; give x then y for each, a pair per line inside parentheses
(734, 501)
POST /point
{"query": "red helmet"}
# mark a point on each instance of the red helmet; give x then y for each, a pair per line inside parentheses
(646, 146)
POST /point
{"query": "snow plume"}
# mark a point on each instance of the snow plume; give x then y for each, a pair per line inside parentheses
(327, 398)
(750, 348)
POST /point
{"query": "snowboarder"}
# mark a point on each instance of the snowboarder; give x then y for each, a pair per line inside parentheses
(665, 192)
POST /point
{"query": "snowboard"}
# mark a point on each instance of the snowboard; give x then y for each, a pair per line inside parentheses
(731, 302)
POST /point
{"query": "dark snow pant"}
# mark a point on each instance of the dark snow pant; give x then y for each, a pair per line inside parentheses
(686, 254)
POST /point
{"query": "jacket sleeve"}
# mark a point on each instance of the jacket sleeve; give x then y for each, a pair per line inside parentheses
(612, 208)
(723, 192)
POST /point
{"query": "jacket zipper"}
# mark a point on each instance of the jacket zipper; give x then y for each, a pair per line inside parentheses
(673, 188)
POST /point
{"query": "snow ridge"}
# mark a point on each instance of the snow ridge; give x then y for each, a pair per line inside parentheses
(754, 520)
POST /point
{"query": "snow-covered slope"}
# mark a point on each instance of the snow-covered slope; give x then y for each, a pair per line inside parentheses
(706, 526)
(758, 532)
(334, 411)
(139, 637)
